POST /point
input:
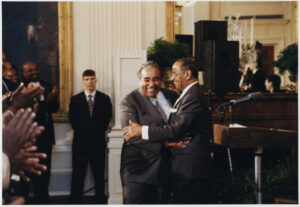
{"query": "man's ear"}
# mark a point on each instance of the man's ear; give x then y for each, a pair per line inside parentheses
(188, 74)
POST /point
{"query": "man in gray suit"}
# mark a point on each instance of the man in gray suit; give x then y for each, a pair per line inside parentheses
(144, 164)
(190, 166)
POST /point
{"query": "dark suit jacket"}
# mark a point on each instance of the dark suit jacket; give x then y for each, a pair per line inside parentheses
(190, 116)
(258, 82)
(44, 115)
(89, 133)
(143, 161)
(8, 85)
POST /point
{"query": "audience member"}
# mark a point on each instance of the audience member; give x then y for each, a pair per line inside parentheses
(257, 83)
(9, 80)
(273, 84)
(11, 74)
(19, 132)
(47, 104)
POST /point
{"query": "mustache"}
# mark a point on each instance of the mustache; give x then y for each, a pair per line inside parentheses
(152, 87)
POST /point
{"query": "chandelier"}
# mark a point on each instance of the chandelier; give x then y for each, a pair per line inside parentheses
(184, 3)
(236, 31)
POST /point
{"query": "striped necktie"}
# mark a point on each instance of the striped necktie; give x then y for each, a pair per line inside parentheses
(90, 102)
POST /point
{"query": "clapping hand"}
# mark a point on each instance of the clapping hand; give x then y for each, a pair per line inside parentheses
(17, 131)
(23, 97)
(53, 95)
(6, 100)
(28, 160)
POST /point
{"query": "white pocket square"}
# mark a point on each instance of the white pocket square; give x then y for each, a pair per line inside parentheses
(173, 110)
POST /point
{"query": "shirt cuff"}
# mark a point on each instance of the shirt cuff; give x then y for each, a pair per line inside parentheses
(145, 134)
(5, 171)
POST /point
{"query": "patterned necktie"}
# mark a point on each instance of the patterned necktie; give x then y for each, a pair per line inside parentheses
(90, 102)
(161, 111)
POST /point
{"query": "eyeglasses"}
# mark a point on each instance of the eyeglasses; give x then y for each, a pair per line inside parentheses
(176, 74)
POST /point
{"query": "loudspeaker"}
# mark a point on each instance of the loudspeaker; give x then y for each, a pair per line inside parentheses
(208, 30)
(221, 62)
(186, 39)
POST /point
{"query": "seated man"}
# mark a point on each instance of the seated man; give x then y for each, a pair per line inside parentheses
(273, 84)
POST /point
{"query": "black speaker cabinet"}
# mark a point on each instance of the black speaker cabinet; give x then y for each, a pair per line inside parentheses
(208, 30)
(221, 63)
(187, 39)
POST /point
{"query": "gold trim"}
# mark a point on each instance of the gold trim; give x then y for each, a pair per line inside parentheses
(65, 30)
(170, 8)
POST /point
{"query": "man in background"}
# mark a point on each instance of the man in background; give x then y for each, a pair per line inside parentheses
(257, 82)
(273, 84)
(46, 104)
(90, 114)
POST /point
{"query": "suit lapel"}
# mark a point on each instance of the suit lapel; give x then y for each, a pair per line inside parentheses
(85, 104)
(167, 96)
(97, 101)
(180, 100)
(150, 105)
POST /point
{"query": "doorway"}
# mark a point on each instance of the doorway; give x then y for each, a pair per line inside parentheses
(267, 55)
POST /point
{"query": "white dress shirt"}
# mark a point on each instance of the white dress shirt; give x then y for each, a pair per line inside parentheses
(87, 95)
(145, 128)
(165, 106)
(161, 99)
(36, 84)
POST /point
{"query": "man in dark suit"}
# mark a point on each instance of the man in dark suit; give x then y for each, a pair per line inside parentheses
(257, 82)
(190, 166)
(90, 114)
(8, 85)
(144, 164)
(47, 104)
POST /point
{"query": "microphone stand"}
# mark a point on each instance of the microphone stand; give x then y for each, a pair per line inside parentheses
(221, 114)
(231, 107)
(211, 141)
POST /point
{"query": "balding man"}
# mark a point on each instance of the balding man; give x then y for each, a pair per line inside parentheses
(190, 166)
(144, 164)
(47, 104)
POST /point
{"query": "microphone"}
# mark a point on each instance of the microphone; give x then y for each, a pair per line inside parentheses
(251, 96)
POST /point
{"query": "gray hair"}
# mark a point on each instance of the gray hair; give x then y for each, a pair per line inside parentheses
(148, 64)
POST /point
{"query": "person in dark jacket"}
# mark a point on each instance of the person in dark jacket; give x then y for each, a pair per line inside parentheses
(90, 114)
(144, 164)
(257, 82)
(46, 105)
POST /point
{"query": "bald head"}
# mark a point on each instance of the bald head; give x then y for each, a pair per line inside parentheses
(31, 72)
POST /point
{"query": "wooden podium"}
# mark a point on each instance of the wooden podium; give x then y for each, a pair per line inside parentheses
(253, 137)
(257, 138)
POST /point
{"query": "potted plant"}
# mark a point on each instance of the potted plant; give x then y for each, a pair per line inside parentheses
(165, 54)
(288, 61)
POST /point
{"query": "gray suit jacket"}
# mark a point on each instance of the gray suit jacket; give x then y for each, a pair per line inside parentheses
(143, 161)
(190, 115)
